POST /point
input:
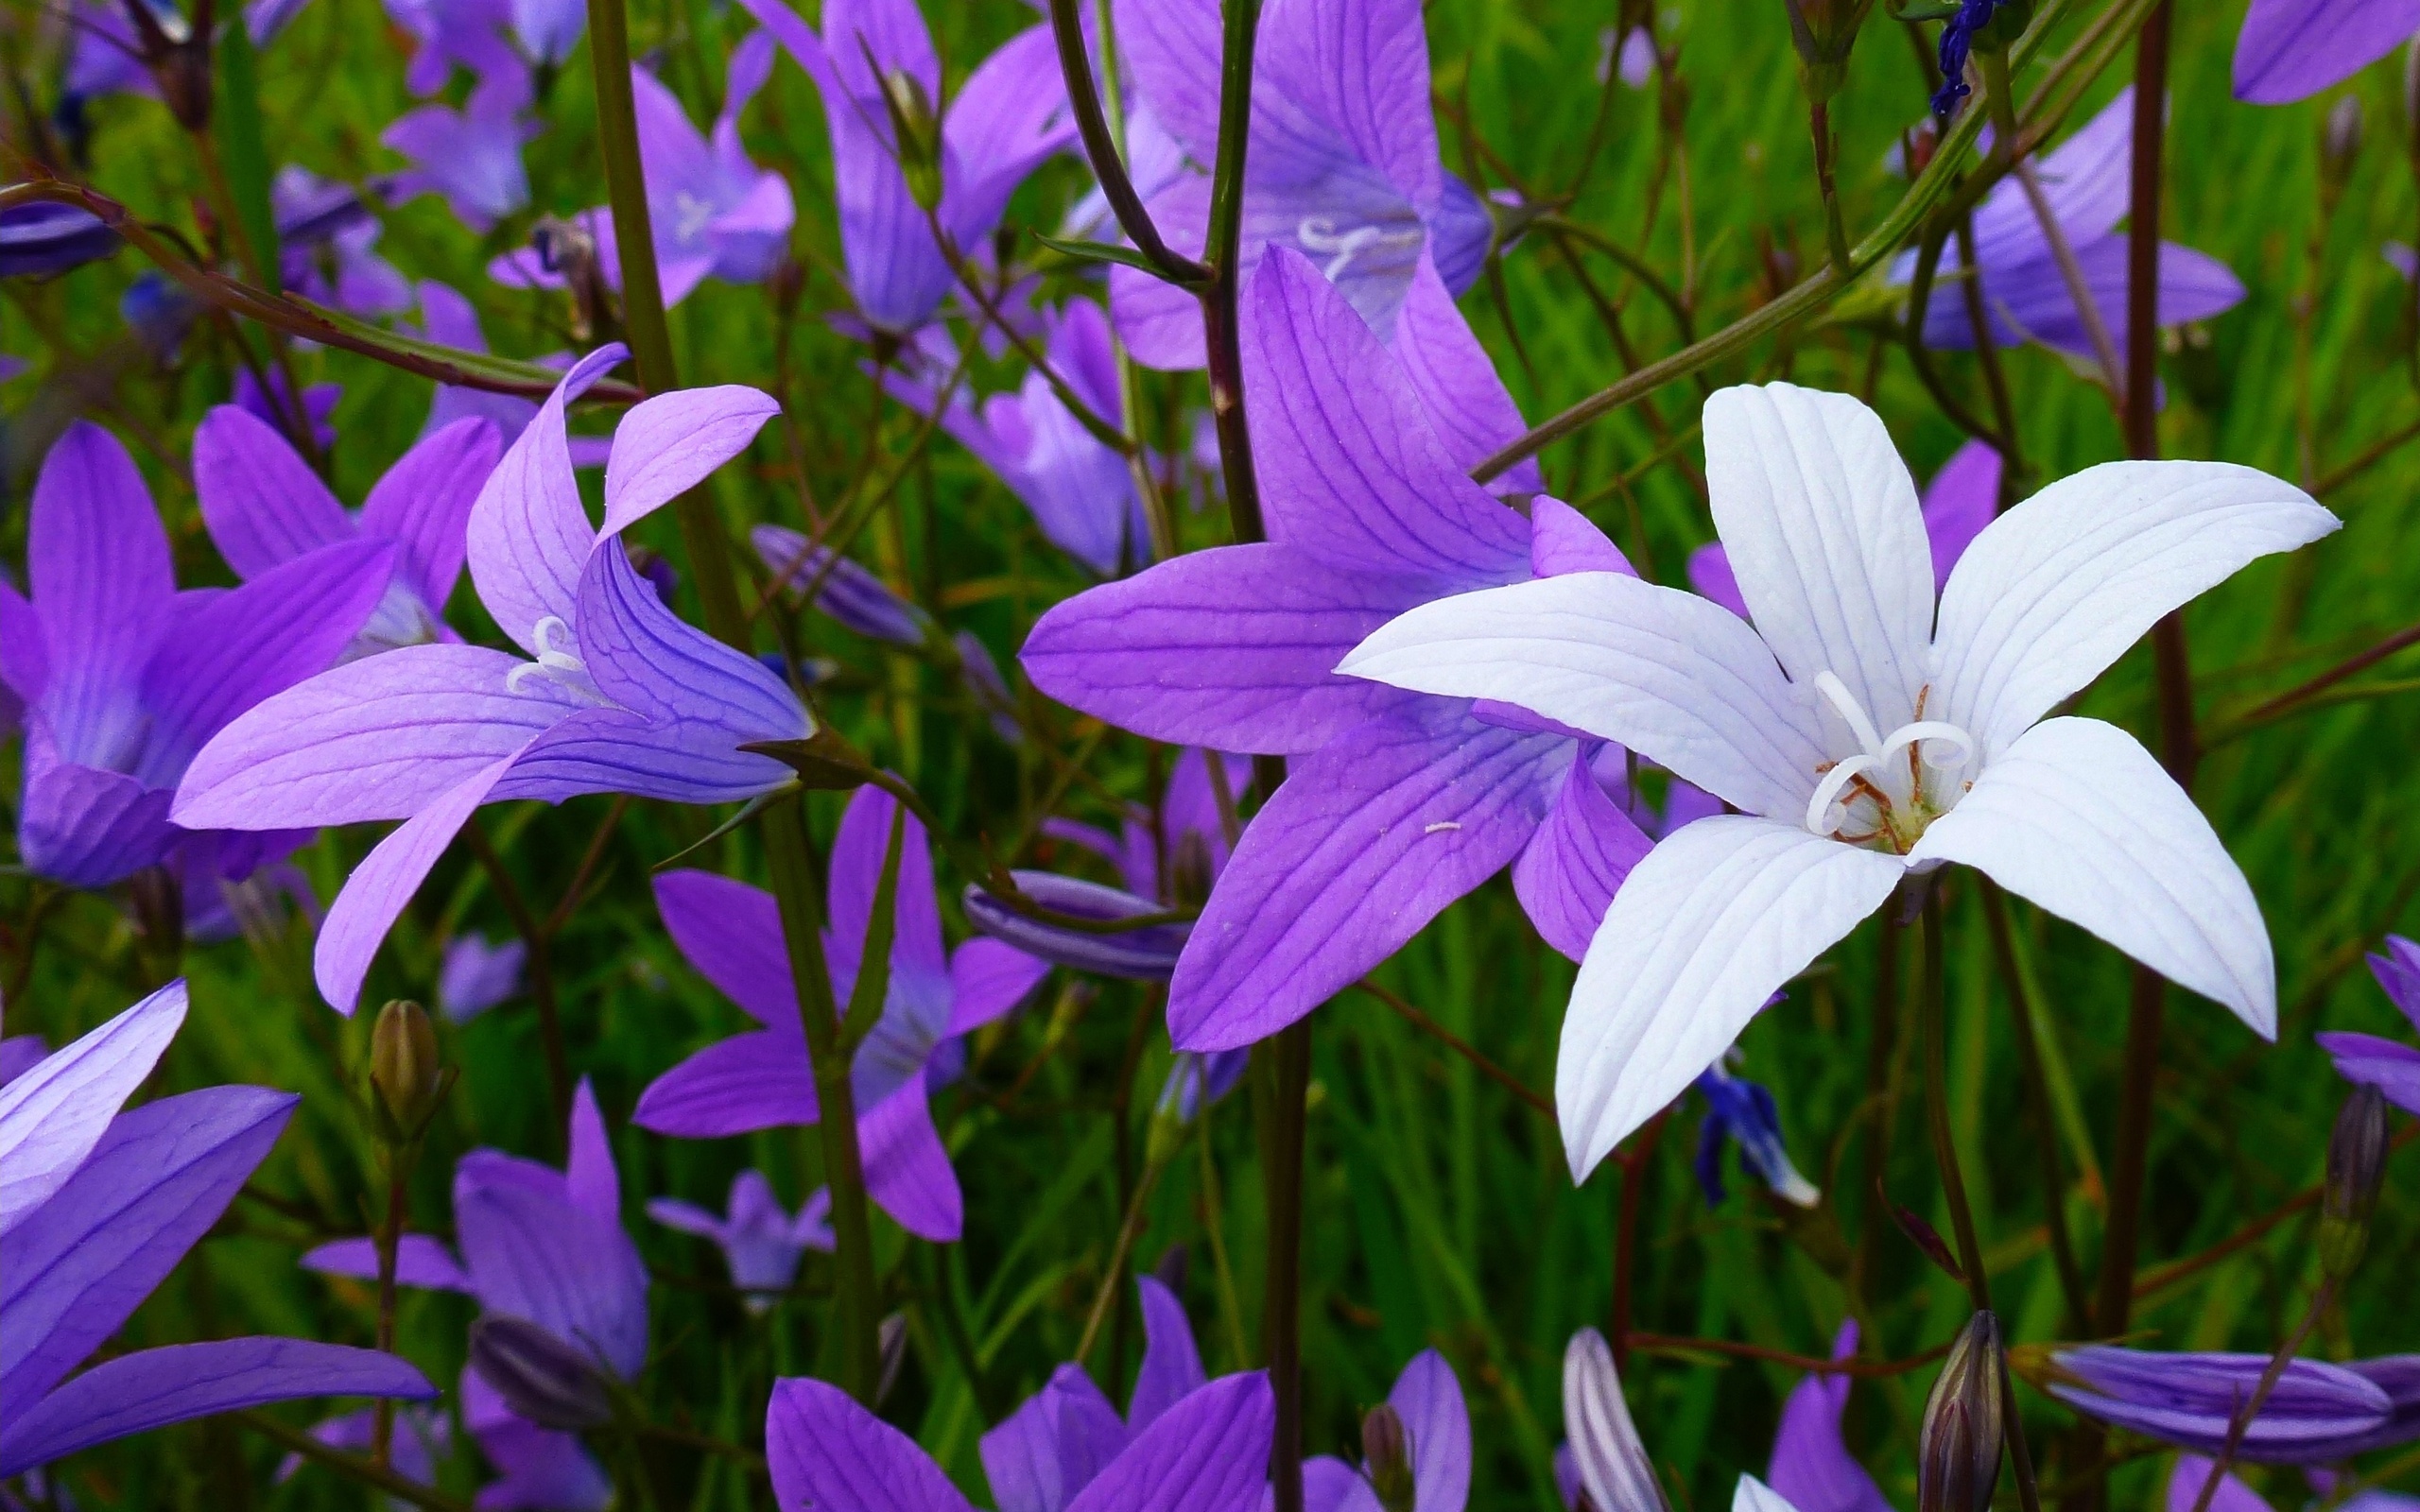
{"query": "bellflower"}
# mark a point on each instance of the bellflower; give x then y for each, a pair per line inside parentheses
(421, 1439)
(1341, 167)
(1185, 1442)
(449, 320)
(96, 1207)
(1606, 1460)
(2185, 1488)
(1743, 1111)
(620, 697)
(1862, 737)
(471, 34)
(276, 403)
(124, 678)
(2291, 49)
(472, 156)
(326, 238)
(760, 1241)
(474, 975)
(547, 1248)
(1396, 805)
(1810, 1466)
(41, 238)
(711, 211)
(2392, 1067)
(2025, 296)
(106, 56)
(265, 507)
(1427, 1402)
(732, 932)
(2317, 1414)
(1007, 118)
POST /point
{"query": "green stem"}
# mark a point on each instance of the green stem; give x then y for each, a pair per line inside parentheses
(1836, 233)
(1220, 340)
(2037, 1098)
(295, 1442)
(1933, 1012)
(1285, 1071)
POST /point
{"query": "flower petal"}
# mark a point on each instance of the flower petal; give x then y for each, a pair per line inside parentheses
(1355, 72)
(530, 536)
(1569, 873)
(424, 503)
(668, 444)
(540, 1469)
(1173, 48)
(1811, 1468)
(589, 1178)
(1719, 916)
(83, 825)
(1053, 1445)
(919, 986)
(732, 932)
(420, 1261)
(1960, 501)
(1160, 323)
(908, 1171)
(262, 503)
(1611, 1464)
(2055, 591)
(1680, 681)
(54, 1114)
(2365, 1059)
(554, 1263)
(2077, 818)
(1206, 1454)
(2291, 49)
(1826, 538)
(1753, 1495)
(1562, 540)
(1171, 1368)
(1429, 1401)
(98, 562)
(830, 1453)
(988, 979)
(736, 1086)
(2185, 1488)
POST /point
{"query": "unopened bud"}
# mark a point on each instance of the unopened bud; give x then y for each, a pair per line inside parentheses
(919, 138)
(1958, 1451)
(1823, 31)
(1386, 1458)
(2355, 1169)
(890, 1348)
(2340, 142)
(1605, 1449)
(406, 1078)
(544, 1380)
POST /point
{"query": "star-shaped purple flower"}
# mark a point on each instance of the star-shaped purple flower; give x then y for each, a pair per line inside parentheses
(474, 975)
(732, 932)
(327, 238)
(472, 156)
(2391, 1066)
(621, 696)
(1395, 806)
(96, 1207)
(761, 1241)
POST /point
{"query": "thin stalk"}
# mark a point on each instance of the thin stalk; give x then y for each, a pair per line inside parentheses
(2241, 1423)
(1220, 340)
(1285, 1077)
(2358, 663)
(295, 1442)
(2037, 1097)
(390, 1236)
(1836, 234)
(2002, 102)
(1987, 356)
(1809, 1363)
(1634, 1163)
(1422, 1022)
(1933, 1012)
(2369, 458)
(1100, 146)
(1121, 1124)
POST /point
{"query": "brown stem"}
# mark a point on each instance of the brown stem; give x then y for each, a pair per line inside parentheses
(1092, 126)
(1880, 1051)
(1634, 1164)
(1422, 1022)
(2358, 663)
(1287, 1078)
(390, 1234)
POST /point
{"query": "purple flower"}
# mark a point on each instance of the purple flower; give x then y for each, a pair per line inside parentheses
(2025, 297)
(96, 1207)
(1342, 166)
(327, 235)
(1185, 1442)
(1396, 805)
(475, 976)
(711, 211)
(761, 1243)
(124, 678)
(276, 404)
(449, 320)
(1437, 1434)
(732, 932)
(1197, 1080)
(265, 507)
(1810, 1466)
(2185, 1488)
(621, 696)
(2392, 1067)
(1008, 116)
(2291, 49)
(1743, 1111)
(850, 594)
(471, 156)
(2318, 1413)
(1958, 504)
(1189, 831)
(547, 1248)
(421, 1439)
(472, 34)
(19, 1053)
(1149, 953)
(106, 56)
(41, 238)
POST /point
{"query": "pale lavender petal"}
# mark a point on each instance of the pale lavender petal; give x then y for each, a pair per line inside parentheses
(1569, 873)
(474, 976)
(2188, 1400)
(530, 536)
(1172, 47)
(97, 560)
(2365, 1059)
(988, 980)
(1053, 1445)
(52, 1115)
(1208, 1453)
(152, 1388)
(827, 1451)
(424, 503)
(1810, 1467)
(732, 932)
(589, 1178)
(736, 1086)
(420, 1261)
(262, 503)
(2291, 49)
(1329, 1485)
(908, 1171)
(1461, 233)
(1562, 540)
(559, 1266)
(687, 1217)
(1171, 1368)
(668, 444)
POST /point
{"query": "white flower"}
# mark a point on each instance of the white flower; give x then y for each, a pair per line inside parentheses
(1860, 733)
(1609, 1464)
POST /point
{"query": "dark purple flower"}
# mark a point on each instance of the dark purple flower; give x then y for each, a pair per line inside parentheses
(1149, 953)
(1743, 1111)
(1396, 805)
(106, 56)
(421, 1439)
(761, 1243)
(124, 678)
(1810, 1465)
(326, 234)
(2185, 1488)
(850, 594)
(2025, 296)
(1342, 166)
(2318, 1413)
(41, 238)
(2291, 49)
(160, 313)
(475, 976)
(276, 404)
(1956, 40)
(732, 932)
(2391, 1066)
(1007, 118)
(1198, 1080)
(96, 1207)
(620, 697)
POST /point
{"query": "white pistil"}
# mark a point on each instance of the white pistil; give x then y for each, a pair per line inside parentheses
(1938, 746)
(558, 666)
(1318, 234)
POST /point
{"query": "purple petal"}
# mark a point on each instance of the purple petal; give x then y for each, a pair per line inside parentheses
(1429, 1401)
(558, 1266)
(2365, 1059)
(1359, 69)
(530, 536)
(73, 1269)
(1461, 233)
(988, 980)
(1171, 1368)
(1230, 648)
(1812, 1467)
(19, 1053)
(850, 594)
(732, 932)
(919, 970)
(1208, 1453)
(420, 1261)
(738, 1086)
(152, 1388)
(263, 504)
(424, 503)
(1569, 873)
(2185, 1488)
(54, 1114)
(1363, 845)
(589, 1178)
(1562, 540)
(1143, 955)
(2188, 1400)
(2399, 975)
(1053, 1445)
(1710, 573)
(2291, 49)
(1160, 323)
(668, 444)
(542, 1470)
(1329, 1485)
(474, 976)
(1008, 116)
(1172, 48)
(1959, 501)
(83, 825)
(1349, 470)
(97, 562)
(686, 1217)
(908, 1171)
(829, 1453)
(1455, 381)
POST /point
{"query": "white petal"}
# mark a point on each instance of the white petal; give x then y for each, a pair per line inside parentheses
(1820, 520)
(1717, 917)
(2059, 587)
(2078, 818)
(1613, 1466)
(1682, 681)
(1753, 1495)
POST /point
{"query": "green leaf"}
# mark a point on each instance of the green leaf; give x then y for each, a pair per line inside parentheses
(243, 150)
(1104, 252)
(873, 986)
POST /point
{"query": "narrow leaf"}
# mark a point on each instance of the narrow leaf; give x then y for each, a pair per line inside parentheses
(873, 986)
(1084, 251)
(243, 150)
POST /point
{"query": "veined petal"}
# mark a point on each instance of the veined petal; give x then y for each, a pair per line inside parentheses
(908, 1171)
(424, 503)
(1208, 1453)
(2059, 587)
(589, 1178)
(1453, 377)
(1429, 1401)
(1562, 540)
(1611, 1464)
(830, 1453)
(1569, 873)
(1811, 1469)
(736, 1086)
(1053, 1445)
(2077, 818)
(420, 1261)
(97, 562)
(1171, 1366)
(529, 534)
(2291, 49)
(1680, 681)
(1365, 842)
(732, 932)
(1173, 48)
(375, 739)
(1719, 914)
(989, 978)
(668, 444)
(52, 1115)
(919, 966)
(559, 1267)
(86, 826)
(1826, 538)
(262, 503)
(2391, 1066)
(1161, 323)
(1353, 73)
(1008, 116)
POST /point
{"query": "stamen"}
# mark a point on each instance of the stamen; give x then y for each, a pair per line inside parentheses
(1843, 702)
(1820, 817)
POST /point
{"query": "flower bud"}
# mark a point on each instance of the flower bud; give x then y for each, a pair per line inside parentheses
(1386, 1458)
(2355, 1169)
(1958, 1450)
(1143, 955)
(1614, 1469)
(891, 1351)
(541, 1378)
(917, 136)
(406, 1078)
(1823, 31)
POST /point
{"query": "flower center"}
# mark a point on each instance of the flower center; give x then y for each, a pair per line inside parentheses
(690, 216)
(557, 667)
(1888, 793)
(1317, 235)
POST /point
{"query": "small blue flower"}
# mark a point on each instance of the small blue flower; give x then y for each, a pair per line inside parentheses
(1742, 1111)
(1957, 40)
